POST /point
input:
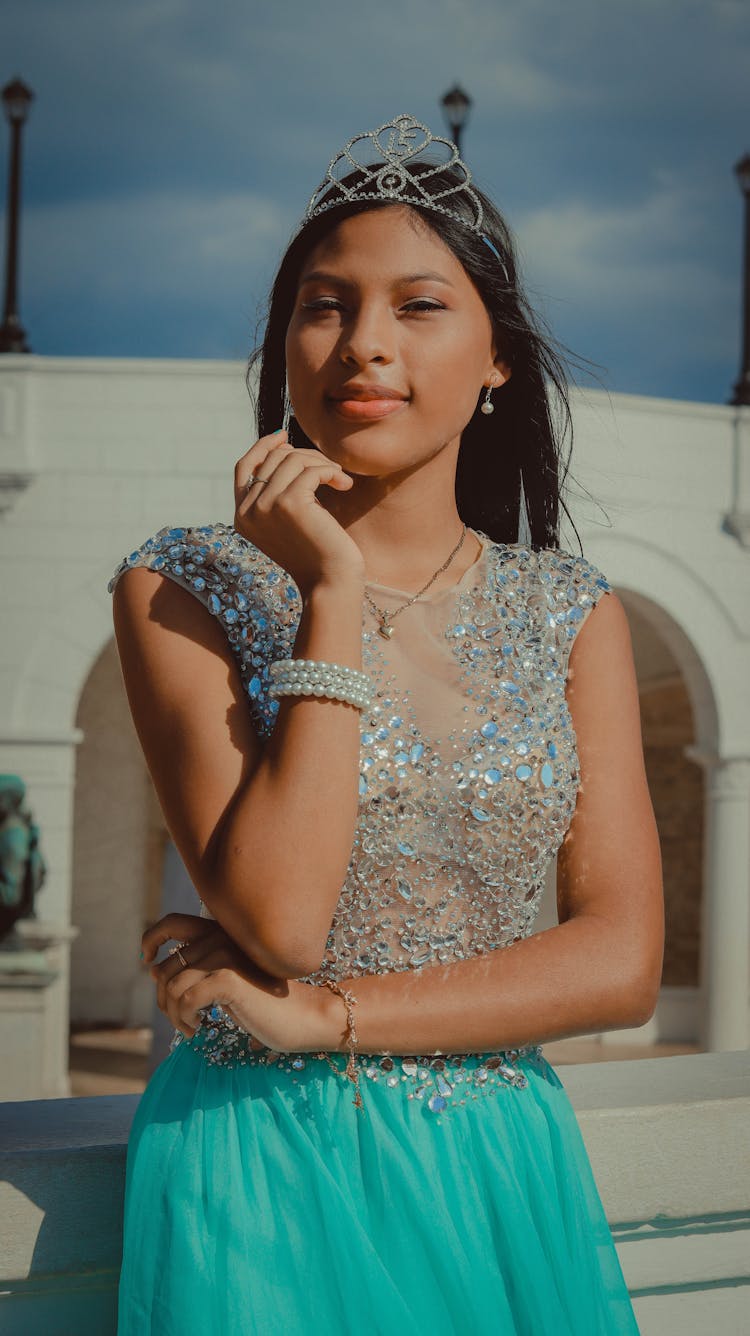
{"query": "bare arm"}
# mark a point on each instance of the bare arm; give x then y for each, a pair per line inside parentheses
(600, 968)
(265, 832)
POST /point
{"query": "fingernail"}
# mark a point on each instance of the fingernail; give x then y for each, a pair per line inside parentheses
(141, 955)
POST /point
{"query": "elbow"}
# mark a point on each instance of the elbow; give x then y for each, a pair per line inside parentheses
(641, 982)
(640, 1002)
(267, 939)
(297, 965)
(280, 955)
(644, 1011)
(647, 987)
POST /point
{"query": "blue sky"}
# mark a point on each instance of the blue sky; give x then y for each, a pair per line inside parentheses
(173, 146)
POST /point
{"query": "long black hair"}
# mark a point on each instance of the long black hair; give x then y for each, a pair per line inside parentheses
(519, 446)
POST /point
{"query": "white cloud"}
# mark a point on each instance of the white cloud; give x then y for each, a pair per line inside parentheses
(649, 265)
(163, 244)
(173, 145)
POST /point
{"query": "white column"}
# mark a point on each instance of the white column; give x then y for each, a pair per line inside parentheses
(46, 763)
(725, 944)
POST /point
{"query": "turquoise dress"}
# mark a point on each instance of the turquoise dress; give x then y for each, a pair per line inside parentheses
(459, 1199)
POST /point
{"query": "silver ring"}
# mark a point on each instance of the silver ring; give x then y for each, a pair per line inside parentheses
(175, 951)
(252, 479)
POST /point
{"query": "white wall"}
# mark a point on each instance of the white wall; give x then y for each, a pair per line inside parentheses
(97, 454)
(110, 850)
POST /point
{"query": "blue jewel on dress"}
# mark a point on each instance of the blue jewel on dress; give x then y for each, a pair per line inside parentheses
(458, 820)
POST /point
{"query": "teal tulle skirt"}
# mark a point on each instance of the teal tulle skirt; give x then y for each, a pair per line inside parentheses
(260, 1201)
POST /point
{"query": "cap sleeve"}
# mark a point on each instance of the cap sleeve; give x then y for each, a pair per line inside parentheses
(571, 586)
(255, 601)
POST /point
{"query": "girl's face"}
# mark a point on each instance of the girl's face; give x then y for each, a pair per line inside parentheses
(382, 301)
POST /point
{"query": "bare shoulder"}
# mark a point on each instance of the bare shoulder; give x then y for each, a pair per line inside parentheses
(602, 687)
(604, 635)
(609, 863)
(152, 610)
(188, 705)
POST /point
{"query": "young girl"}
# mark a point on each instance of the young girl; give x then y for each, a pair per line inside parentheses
(373, 717)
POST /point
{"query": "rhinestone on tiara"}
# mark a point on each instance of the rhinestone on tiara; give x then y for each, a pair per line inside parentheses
(397, 146)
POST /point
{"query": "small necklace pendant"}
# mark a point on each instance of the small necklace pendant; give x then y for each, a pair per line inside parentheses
(385, 630)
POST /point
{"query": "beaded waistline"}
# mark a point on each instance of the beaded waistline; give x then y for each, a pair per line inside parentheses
(438, 1081)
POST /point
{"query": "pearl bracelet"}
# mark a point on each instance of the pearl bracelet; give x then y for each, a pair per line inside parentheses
(315, 677)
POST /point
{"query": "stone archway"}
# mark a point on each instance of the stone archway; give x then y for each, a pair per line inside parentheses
(676, 785)
(118, 845)
(678, 603)
(677, 788)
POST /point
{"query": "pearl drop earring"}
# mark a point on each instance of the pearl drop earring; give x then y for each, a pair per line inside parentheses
(488, 406)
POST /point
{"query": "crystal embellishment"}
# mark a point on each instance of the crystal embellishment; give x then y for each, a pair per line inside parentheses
(459, 814)
(440, 1084)
(392, 163)
(382, 158)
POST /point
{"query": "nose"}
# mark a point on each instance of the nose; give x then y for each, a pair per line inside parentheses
(366, 337)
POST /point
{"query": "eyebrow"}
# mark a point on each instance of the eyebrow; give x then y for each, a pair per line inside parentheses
(325, 277)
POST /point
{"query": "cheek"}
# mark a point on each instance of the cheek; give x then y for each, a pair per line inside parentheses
(451, 354)
(306, 356)
(447, 383)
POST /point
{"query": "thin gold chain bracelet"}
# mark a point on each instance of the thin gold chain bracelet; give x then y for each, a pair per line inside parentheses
(351, 1073)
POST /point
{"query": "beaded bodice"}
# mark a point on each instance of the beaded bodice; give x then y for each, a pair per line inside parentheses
(468, 764)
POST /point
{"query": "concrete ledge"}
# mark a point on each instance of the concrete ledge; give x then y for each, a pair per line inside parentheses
(667, 1137)
(668, 1143)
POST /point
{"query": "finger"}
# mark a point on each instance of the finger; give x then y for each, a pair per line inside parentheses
(220, 986)
(171, 1009)
(262, 446)
(304, 484)
(308, 475)
(187, 932)
(261, 459)
(262, 473)
(211, 953)
(197, 990)
(170, 987)
(338, 479)
(258, 452)
(195, 953)
(164, 997)
(169, 993)
(173, 927)
(261, 464)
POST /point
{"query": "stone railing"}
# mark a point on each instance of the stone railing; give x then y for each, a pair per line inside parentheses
(667, 1138)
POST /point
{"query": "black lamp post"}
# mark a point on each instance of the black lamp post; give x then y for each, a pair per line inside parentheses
(455, 106)
(17, 99)
(742, 388)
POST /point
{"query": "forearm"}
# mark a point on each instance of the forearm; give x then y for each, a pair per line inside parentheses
(568, 980)
(287, 840)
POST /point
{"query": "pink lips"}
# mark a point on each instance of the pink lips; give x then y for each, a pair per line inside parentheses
(363, 401)
(360, 410)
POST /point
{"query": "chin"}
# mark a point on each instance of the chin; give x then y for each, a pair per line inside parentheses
(372, 449)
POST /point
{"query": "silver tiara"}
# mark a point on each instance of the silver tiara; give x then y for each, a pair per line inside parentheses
(382, 159)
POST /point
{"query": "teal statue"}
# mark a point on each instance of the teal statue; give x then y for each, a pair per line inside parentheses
(22, 866)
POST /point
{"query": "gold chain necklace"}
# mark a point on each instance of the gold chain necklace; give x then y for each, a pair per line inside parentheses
(385, 618)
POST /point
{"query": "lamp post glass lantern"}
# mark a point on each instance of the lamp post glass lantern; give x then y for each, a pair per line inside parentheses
(456, 104)
(17, 99)
(741, 393)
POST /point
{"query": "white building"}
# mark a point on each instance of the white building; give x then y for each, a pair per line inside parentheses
(98, 454)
